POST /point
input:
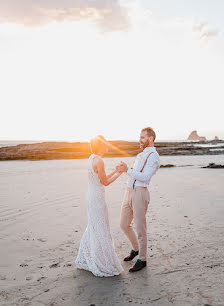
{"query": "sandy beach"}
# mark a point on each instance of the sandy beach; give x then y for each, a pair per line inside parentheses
(43, 216)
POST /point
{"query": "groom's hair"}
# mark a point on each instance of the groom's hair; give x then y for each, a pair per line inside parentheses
(150, 132)
(96, 142)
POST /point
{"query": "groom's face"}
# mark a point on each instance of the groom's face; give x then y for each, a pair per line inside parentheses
(144, 140)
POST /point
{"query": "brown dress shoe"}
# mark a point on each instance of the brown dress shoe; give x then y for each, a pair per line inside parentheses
(131, 256)
(139, 264)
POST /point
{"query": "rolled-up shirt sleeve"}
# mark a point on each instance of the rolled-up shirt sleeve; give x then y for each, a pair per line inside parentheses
(150, 169)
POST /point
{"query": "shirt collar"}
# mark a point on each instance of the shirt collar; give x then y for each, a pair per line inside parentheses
(149, 149)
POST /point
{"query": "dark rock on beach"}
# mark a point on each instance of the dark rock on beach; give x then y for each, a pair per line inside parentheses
(167, 166)
(214, 166)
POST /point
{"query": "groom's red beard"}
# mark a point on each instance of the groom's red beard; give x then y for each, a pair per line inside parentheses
(143, 145)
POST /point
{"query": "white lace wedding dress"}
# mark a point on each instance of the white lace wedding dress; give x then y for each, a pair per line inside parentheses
(96, 251)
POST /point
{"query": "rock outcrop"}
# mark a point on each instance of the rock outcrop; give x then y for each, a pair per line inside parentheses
(214, 166)
(194, 136)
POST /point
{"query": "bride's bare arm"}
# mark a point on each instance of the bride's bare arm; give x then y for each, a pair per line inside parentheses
(104, 179)
(112, 174)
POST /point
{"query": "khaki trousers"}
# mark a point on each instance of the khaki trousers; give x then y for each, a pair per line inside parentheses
(135, 205)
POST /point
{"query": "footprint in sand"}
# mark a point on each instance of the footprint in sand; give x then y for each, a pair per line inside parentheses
(55, 265)
(41, 278)
(23, 265)
(2, 277)
(42, 239)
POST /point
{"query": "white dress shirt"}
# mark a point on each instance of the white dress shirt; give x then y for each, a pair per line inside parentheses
(143, 178)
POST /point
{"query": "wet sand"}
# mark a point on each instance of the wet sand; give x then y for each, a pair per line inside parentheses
(43, 216)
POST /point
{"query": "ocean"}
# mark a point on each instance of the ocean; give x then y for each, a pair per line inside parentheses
(9, 143)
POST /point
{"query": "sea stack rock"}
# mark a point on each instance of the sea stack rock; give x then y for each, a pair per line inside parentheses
(194, 136)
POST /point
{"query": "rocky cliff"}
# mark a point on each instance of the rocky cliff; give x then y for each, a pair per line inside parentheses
(194, 136)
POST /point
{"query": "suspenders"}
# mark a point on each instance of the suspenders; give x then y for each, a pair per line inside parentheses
(142, 167)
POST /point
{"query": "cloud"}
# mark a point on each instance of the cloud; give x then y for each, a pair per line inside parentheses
(205, 30)
(109, 15)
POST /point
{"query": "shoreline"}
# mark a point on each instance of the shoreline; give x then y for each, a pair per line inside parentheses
(81, 150)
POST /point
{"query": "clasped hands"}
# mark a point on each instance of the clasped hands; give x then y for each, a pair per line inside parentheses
(122, 167)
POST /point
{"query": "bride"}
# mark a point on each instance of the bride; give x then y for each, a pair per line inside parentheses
(96, 251)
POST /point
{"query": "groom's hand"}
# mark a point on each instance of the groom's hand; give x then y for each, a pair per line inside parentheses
(122, 167)
(119, 168)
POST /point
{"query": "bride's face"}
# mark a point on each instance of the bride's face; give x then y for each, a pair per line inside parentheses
(104, 148)
(107, 149)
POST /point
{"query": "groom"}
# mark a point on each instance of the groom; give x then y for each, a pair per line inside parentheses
(137, 197)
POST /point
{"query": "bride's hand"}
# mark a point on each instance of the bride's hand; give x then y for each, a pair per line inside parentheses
(118, 168)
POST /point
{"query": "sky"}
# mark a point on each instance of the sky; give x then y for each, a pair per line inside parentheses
(72, 69)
